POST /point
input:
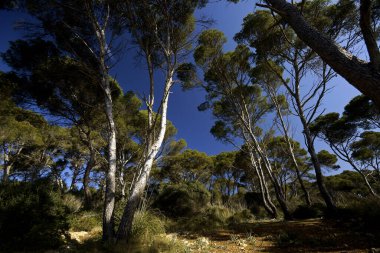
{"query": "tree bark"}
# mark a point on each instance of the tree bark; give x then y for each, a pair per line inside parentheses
(110, 191)
(125, 226)
(267, 202)
(362, 75)
(7, 167)
(317, 167)
(289, 146)
(86, 179)
(7, 171)
(74, 178)
(266, 163)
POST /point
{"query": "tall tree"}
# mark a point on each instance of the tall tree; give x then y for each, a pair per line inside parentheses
(340, 134)
(163, 31)
(277, 45)
(84, 32)
(236, 101)
(363, 75)
(272, 84)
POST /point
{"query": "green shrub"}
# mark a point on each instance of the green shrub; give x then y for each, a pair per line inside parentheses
(364, 213)
(72, 203)
(145, 226)
(85, 221)
(182, 200)
(32, 216)
(241, 217)
(287, 239)
(306, 212)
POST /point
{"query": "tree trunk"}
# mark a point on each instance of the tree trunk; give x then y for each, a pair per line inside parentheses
(109, 198)
(7, 168)
(7, 171)
(125, 227)
(86, 180)
(317, 168)
(138, 188)
(279, 193)
(368, 185)
(362, 75)
(273, 178)
(74, 178)
(289, 145)
(267, 202)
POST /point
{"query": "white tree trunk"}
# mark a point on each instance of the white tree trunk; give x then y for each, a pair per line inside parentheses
(109, 200)
(138, 188)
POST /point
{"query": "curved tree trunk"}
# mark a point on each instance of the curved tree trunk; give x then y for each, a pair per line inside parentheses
(289, 145)
(365, 179)
(125, 226)
(317, 168)
(266, 163)
(267, 202)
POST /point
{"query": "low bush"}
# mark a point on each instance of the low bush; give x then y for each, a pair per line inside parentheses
(182, 200)
(72, 203)
(85, 221)
(241, 217)
(364, 214)
(32, 216)
(146, 225)
(306, 212)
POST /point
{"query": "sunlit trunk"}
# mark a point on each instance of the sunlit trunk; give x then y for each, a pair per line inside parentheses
(110, 190)
(289, 146)
(138, 188)
(267, 202)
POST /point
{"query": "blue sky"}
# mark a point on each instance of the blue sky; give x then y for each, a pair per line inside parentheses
(192, 125)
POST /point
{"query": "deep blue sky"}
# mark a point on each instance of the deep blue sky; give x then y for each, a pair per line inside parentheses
(192, 125)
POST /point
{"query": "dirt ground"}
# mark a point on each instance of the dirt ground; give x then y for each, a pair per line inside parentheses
(313, 235)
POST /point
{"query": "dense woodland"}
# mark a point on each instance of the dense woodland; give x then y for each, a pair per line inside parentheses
(86, 166)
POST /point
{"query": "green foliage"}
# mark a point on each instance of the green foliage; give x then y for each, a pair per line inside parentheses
(350, 183)
(367, 149)
(364, 214)
(243, 216)
(146, 225)
(209, 219)
(362, 111)
(186, 73)
(183, 200)
(32, 216)
(188, 166)
(210, 46)
(327, 159)
(72, 203)
(306, 212)
(85, 221)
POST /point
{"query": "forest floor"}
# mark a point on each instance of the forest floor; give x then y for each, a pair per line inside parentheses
(312, 235)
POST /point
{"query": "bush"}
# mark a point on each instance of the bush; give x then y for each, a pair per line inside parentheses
(254, 202)
(306, 212)
(146, 225)
(32, 216)
(241, 217)
(183, 200)
(72, 203)
(364, 213)
(85, 221)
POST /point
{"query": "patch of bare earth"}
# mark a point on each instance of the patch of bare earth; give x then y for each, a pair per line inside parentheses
(313, 235)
